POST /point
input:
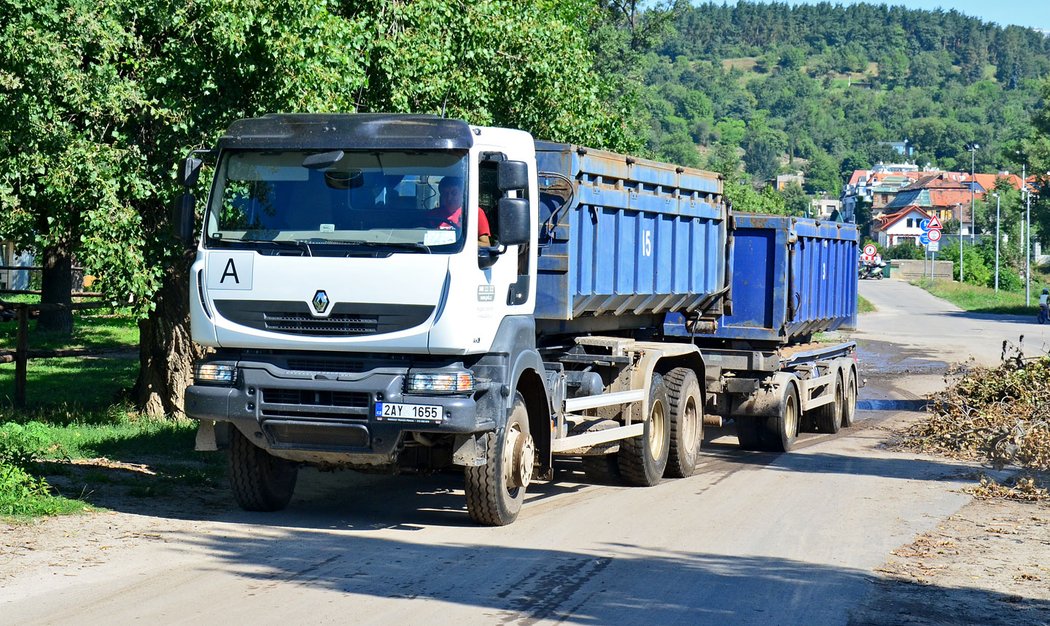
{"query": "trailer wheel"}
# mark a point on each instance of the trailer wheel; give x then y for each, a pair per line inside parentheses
(828, 418)
(603, 469)
(260, 481)
(496, 490)
(687, 422)
(642, 460)
(780, 431)
(849, 402)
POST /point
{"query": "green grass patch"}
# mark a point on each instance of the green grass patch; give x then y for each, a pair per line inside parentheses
(981, 299)
(101, 331)
(140, 457)
(864, 305)
(66, 389)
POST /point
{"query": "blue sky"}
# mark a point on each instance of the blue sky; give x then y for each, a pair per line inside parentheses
(1031, 13)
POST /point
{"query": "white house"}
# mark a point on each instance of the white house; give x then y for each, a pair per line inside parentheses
(900, 227)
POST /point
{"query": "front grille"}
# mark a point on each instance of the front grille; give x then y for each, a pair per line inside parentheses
(306, 324)
(310, 397)
(346, 319)
(325, 365)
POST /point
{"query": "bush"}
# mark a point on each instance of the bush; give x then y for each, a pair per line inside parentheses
(20, 444)
(904, 251)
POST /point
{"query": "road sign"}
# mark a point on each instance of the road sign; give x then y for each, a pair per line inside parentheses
(934, 235)
(925, 239)
(870, 250)
(924, 224)
(933, 246)
(935, 224)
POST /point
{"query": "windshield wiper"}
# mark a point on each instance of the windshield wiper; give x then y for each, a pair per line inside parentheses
(298, 244)
(401, 245)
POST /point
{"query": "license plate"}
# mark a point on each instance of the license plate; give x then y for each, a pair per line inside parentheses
(397, 412)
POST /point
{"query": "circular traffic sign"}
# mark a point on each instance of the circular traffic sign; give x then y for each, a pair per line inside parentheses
(934, 235)
(870, 250)
(924, 239)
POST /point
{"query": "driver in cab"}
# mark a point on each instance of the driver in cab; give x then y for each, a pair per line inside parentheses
(449, 214)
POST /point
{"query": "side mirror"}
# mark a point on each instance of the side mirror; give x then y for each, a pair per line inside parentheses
(512, 175)
(189, 171)
(185, 207)
(514, 227)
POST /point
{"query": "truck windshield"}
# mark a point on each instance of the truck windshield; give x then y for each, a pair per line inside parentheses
(338, 202)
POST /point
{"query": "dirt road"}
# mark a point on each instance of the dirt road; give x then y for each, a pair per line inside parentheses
(754, 538)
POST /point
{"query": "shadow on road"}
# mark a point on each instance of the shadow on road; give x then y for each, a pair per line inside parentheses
(614, 583)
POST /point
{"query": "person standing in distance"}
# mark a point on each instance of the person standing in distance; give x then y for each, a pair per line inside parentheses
(449, 214)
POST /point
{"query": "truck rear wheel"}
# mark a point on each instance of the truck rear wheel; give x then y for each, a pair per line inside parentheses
(260, 481)
(849, 401)
(780, 431)
(687, 422)
(828, 418)
(642, 460)
(496, 490)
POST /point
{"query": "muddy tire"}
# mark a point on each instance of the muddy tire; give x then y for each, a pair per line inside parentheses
(603, 470)
(495, 491)
(849, 400)
(260, 481)
(686, 409)
(779, 432)
(828, 418)
(642, 460)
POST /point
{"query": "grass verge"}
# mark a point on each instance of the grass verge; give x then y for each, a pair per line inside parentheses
(78, 442)
(864, 305)
(980, 299)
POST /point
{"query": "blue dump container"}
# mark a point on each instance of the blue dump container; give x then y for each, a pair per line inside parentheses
(791, 277)
(624, 241)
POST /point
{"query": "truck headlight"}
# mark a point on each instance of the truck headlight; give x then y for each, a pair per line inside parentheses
(440, 382)
(215, 373)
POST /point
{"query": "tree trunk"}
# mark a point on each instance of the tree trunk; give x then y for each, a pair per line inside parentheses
(56, 285)
(166, 351)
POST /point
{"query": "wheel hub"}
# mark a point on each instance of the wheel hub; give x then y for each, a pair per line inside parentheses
(519, 458)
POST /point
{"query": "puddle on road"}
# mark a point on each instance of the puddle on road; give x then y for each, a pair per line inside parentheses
(891, 405)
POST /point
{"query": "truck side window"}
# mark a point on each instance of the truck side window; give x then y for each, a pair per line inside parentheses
(488, 195)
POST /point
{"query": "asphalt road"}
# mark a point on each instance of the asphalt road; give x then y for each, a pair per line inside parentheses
(753, 538)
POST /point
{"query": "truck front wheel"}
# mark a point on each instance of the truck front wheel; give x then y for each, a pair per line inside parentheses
(496, 490)
(260, 481)
(643, 459)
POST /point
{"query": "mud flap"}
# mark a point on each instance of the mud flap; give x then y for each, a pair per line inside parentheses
(470, 450)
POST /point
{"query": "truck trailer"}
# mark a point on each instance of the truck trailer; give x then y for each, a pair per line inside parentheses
(579, 303)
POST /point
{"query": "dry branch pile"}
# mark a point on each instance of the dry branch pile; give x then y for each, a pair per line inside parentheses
(1000, 416)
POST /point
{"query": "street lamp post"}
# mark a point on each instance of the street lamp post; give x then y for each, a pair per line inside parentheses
(1028, 246)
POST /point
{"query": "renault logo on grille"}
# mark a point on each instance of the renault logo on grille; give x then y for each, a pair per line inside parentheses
(320, 301)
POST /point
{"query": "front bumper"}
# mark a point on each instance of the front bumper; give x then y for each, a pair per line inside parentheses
(327, 417)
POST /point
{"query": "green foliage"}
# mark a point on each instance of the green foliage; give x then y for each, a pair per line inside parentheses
(20, 444)
(796, 202)
(70, 174)
(904, 250)
(869, 74)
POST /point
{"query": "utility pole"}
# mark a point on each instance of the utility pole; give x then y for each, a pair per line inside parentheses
(996, 194)
(973, 195)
